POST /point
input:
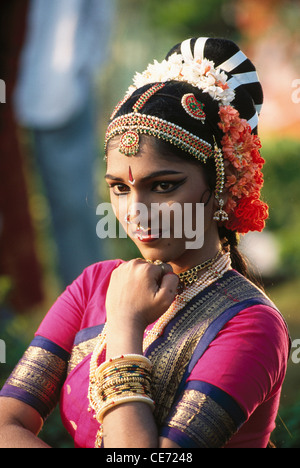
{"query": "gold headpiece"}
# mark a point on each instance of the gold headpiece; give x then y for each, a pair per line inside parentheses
(130, 126)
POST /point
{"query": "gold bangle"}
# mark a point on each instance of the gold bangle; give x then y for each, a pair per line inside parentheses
(126, 358)
(123, 390)
(115, 383)
(118, 401)
(124, 380)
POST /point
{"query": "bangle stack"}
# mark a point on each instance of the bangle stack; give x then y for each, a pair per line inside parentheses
(123, 379)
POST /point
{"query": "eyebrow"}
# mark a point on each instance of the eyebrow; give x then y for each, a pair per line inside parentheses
(150, 176)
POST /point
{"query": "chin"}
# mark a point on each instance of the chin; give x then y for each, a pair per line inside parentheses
(167, 253)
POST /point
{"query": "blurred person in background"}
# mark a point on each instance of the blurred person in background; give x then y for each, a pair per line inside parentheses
(66, 45)
(19, 291)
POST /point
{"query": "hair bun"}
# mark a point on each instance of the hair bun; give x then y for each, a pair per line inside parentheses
(241, 72)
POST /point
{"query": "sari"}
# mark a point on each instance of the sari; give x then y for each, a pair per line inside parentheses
(217, 374)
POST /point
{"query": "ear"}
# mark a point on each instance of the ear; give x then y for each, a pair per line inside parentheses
(207, 196)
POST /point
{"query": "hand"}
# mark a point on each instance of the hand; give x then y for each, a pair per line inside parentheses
(140, 292)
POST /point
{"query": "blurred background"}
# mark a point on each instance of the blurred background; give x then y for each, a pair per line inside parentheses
(66, 63)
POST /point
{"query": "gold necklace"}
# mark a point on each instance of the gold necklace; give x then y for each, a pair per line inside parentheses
(214, 272)
(190, 276)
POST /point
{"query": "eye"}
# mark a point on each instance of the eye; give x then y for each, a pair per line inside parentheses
(119, 189)
(167, 186)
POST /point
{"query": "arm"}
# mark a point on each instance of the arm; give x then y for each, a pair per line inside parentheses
(126, 305)
(142, 431)
(19, 425)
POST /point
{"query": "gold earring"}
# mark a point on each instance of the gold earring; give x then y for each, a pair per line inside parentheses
(220, 214)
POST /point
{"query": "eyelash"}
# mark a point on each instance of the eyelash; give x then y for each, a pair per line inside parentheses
(174, 185)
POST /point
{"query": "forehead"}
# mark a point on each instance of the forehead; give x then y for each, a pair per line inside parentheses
(148, 159)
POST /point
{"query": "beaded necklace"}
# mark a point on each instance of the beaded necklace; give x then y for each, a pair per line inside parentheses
(214, 272)
(190, 276)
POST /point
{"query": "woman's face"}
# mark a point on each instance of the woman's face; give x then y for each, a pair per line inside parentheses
(155, 199)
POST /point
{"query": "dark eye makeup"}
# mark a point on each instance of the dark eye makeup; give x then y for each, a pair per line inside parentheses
(162, 186)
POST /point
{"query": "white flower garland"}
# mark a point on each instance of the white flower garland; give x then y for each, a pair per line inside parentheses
(202, 74)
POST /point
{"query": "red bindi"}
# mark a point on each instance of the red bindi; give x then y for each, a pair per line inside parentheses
(131, 179)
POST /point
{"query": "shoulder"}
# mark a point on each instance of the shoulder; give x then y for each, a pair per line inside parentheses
(99, 269)
(77, 306)
(261, 323)
(93, 277)
(256, 340)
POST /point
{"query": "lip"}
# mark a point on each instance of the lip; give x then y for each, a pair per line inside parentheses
(146, 236)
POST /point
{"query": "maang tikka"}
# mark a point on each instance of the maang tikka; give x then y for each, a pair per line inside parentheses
(130, 140)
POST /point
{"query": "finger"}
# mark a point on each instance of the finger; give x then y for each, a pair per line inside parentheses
(165, 267)
(168, 288)
(160, 270)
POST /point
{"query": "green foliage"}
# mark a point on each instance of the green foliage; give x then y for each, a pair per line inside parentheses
(15, 346)
(287, 432)
(5, 287)
(282, 193)
(53, 432)
(191, 17)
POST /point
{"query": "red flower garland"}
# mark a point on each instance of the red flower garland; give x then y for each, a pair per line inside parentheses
(244, 178)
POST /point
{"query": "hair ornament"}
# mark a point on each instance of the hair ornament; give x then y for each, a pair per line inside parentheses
(193, 107)
(146, 96)
(119, 105)
(201, 73)
(244, 179)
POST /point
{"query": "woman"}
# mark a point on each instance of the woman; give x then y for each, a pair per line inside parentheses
(180, 343)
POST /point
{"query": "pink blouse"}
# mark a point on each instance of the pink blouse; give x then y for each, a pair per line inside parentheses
(247, 360)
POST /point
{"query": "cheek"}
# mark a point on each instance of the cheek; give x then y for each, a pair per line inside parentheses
(119, 205)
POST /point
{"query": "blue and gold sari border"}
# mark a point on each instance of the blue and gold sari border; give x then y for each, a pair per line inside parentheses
(87, 334)
(12, 391)
(84, 344)
(45, 343)
(203, 417)
(215, 327)
(38, 377)
(223, 399)
(179, 437)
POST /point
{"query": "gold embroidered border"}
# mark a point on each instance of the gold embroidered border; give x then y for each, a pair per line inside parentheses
(80, 351)
(41, 374)
(171, 357)
(202, 419)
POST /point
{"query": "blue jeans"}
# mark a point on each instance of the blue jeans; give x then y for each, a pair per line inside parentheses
(66, 160)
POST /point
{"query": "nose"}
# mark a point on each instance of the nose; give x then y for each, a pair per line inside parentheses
(138, 213)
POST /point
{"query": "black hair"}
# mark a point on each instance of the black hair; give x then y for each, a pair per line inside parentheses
(219, 50)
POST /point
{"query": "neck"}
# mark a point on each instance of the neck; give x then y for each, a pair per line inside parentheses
(193, 258)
